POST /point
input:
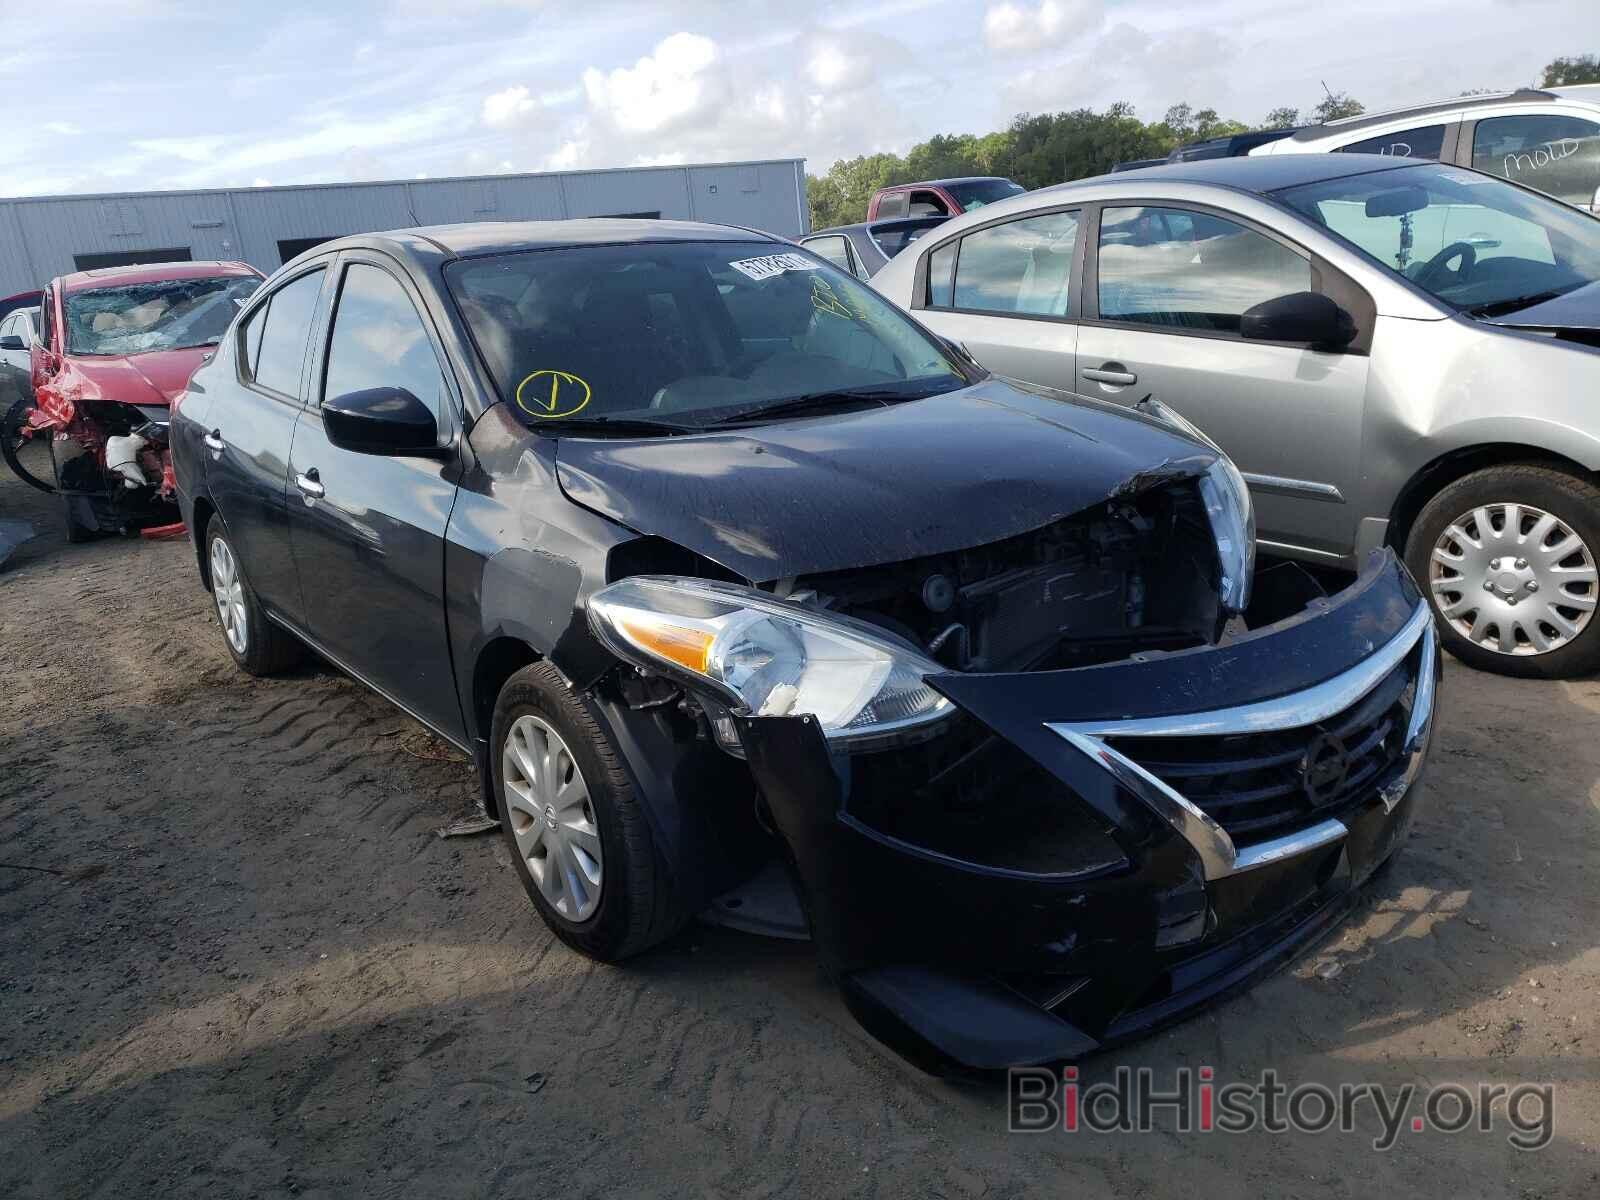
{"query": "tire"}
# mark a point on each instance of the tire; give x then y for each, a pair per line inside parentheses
(1480, 579)
(257, 645)
(77, 531)
(16, 416)
(608, 904)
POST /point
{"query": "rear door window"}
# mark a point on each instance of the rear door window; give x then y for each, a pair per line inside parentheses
(832, 248)
(1189, 270)
(277, 334)
(941, 265)
(1019, 268)
(1425, 141)
(1557, 154)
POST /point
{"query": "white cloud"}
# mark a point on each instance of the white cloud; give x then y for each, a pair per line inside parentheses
(669, 88)
(1013, 28)
(838, 64)
(62, 128)
(509, 108)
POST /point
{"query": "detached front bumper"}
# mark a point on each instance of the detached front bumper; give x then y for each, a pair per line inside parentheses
(1085, 855)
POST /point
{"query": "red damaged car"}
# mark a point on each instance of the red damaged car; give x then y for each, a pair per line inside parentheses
(113, 349)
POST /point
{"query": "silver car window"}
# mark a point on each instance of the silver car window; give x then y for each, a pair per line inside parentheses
(1021, 267)
(1189, 270)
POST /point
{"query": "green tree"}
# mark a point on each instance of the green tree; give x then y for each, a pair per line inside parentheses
(840, 197)
(1282, 118)
(1564, 72)
(1336, 106)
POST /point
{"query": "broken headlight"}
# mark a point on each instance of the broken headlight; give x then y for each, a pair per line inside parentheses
(1228, 509)
(765, 657)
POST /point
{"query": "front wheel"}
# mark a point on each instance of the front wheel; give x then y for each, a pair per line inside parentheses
(575, 827)
(1508, 558)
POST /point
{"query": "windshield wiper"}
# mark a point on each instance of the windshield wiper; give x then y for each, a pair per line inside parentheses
(1500, 308)
(622, 426)
(814, 401)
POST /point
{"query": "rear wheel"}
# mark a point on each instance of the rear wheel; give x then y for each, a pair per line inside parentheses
(256, 644)
(576, 829)
(1508, 558)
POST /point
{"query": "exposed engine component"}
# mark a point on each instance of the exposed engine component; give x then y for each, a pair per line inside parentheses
(1132, 574)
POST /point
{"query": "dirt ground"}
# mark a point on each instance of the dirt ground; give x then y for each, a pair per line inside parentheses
(235, 960)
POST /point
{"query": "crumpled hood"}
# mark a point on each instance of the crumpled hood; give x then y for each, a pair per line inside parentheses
(1578, 309)
(151, 378)
(924, 477)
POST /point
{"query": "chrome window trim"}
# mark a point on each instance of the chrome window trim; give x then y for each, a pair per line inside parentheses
(1219, 855)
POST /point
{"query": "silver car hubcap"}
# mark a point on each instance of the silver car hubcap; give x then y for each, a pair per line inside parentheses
(228, 588)
(552, 818)
(1513, 579)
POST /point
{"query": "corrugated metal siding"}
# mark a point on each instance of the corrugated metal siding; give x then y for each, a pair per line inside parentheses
(39, 237)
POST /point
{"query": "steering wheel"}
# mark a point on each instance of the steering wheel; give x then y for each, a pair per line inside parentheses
(1469, 259)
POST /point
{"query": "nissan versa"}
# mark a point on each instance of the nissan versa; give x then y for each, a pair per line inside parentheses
(747, 594)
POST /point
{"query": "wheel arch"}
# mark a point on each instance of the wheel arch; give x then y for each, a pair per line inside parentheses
(497, 661)
(204, 510)
(1456, 464)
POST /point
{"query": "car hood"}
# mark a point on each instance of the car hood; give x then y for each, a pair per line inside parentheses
(1577, 310)
(921, 477)
(151, 378)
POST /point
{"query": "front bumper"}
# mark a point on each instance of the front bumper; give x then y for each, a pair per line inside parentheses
(1088, 899)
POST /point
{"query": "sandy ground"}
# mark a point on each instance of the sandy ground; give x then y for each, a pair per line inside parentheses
(236, 961)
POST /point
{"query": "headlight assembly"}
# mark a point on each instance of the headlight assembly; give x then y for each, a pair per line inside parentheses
(764, 657)
(1228, 508)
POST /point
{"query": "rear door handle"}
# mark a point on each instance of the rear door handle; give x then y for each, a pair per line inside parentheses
(213, 440)
(1110, 373)
(309, 483)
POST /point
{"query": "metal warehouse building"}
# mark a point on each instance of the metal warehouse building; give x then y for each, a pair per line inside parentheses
(43, 237)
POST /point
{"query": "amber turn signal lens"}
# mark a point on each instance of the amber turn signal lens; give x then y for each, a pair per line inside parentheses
(689, 648)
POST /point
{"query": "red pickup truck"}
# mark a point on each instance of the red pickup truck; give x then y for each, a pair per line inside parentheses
(940, 197)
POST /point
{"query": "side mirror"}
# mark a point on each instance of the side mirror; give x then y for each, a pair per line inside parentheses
(384, 420)
(12, 342)
(1299, 317)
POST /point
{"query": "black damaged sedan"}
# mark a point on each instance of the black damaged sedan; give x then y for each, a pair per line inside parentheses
(749, 597)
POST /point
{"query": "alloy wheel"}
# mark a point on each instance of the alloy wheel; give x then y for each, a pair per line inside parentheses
(228, 589)
(1513, 579)
(552, 817)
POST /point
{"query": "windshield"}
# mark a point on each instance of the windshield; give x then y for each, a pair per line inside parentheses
(1472, 241)
(978, 192)
(686, 333)
(164, 315)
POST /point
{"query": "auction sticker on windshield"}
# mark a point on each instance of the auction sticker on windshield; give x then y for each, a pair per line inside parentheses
(769, 265)
(550, 394)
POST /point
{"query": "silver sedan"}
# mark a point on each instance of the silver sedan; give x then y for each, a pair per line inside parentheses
(1392, 352)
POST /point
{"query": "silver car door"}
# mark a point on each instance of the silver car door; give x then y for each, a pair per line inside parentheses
(1164, 290)
(1007, 292)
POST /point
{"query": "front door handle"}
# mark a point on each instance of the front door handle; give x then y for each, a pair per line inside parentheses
(213, 440)
(1110, 373)
(311, 484)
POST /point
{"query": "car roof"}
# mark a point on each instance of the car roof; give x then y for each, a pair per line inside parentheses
(900, 187)
(1431, 108)
(886, 223)
(152, 273)
(495, 237)
(1266, 173)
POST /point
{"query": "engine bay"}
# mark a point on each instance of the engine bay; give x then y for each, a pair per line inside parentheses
(1132, 574)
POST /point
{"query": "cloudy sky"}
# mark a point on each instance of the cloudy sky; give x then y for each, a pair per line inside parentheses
(113, 95)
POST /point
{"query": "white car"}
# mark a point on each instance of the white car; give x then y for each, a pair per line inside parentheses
(1546, 138)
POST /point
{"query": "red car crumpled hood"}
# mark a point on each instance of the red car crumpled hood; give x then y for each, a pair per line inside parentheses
(151, 378)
